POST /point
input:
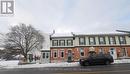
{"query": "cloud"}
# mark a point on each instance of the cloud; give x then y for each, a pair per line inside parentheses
(89, 16)
(98, 16)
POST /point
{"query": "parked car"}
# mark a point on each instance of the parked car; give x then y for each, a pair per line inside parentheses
(96, 59)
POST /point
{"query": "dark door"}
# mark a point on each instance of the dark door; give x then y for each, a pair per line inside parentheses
(30, 57)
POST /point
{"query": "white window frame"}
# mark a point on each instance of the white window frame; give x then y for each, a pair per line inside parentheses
(55, 51)
(61, 53)
(82, 41)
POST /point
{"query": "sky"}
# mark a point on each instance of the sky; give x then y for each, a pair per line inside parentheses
(65, 16)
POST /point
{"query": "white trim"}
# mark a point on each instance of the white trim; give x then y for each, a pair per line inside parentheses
(114, 55)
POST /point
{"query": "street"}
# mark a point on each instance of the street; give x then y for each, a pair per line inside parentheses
(99, 69)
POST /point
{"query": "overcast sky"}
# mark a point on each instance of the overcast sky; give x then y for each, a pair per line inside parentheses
(64, 16)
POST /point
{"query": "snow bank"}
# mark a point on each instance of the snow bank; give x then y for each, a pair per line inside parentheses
(64, 64)
(9, 63)
(122, 61)
(14, 64)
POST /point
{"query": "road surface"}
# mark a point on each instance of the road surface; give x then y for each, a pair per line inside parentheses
(99, 69)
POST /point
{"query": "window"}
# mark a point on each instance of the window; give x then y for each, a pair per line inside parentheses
(55, 53)
(69, 42)
(81, 51)
(62, 43)
(112, 40)
(62, 53)
(92, 41)
(102, 40)
(43, 55)
(47, 55)
(122, 40)
(82, 41)
(101, 50)
(54, 42)
(123, 52)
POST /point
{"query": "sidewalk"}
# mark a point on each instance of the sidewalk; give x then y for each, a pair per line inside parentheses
(14, 64)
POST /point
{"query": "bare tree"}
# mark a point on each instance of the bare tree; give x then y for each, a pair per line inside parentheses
(25, 38)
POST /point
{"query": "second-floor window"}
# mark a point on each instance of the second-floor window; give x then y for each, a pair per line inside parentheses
(54, 42)
(69, 42)
(102, 40)
(62, 42)
(112, 40)
(122, 40)
(92, 41)
(82, 41)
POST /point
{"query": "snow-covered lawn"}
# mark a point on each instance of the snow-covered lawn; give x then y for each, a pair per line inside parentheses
(14, 64)
(8, 63)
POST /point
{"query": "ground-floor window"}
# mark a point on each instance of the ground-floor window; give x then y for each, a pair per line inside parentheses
(123, 52)
(43, 55)
(81, 51)
(62, 53)
(101, 50)
(55, 53)
(47, 55)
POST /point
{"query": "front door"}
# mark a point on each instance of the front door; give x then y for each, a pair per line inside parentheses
(30, 57)
(113, 53)
(46, 57)
(69, 56)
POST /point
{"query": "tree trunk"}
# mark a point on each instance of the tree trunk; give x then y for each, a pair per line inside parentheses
(25, 58)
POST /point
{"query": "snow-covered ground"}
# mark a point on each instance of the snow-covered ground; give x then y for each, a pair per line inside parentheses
(122, 61)
(14, 64)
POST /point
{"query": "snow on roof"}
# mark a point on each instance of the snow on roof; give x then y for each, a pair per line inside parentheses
(102, 33)
(62, 35)
(45, 49)
(78, 34)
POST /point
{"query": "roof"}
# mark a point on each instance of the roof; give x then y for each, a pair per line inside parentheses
(96, 34)
(62, 35)
(85, 34)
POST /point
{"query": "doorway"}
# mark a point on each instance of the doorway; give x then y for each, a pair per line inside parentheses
(69, 56)
(113, 53)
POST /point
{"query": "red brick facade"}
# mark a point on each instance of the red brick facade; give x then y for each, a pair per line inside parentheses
(112, 44)
(76, 53)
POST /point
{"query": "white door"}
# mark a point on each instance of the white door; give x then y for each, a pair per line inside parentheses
(45, 57)
(113, 53)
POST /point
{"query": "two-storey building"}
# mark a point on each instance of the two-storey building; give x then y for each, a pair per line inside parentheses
(73, 47)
